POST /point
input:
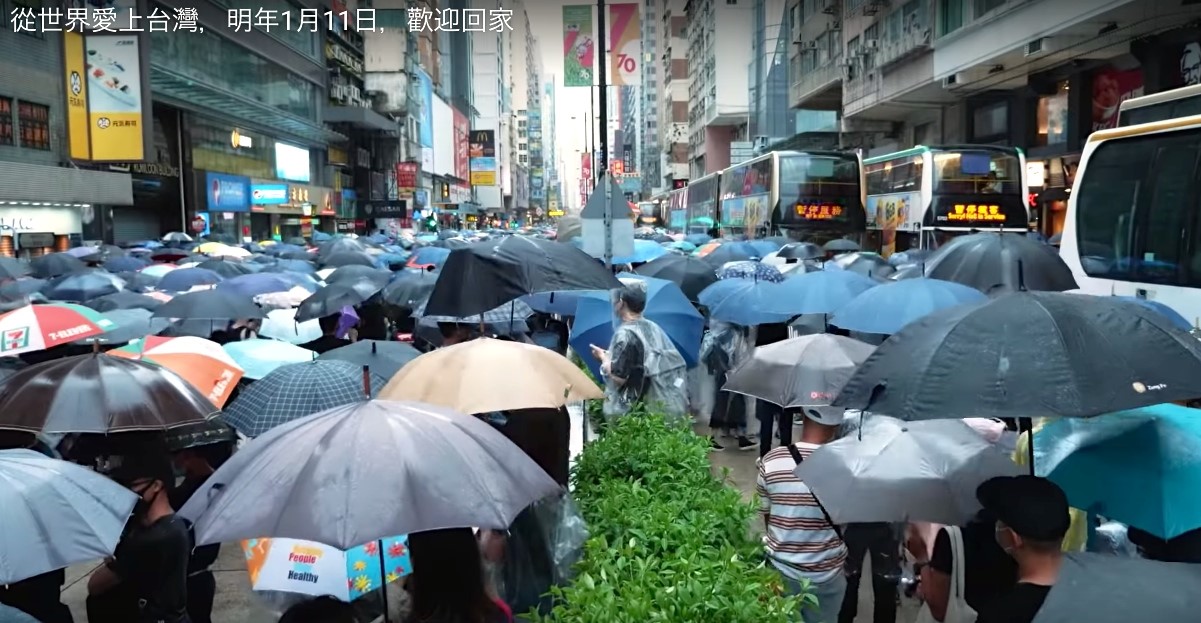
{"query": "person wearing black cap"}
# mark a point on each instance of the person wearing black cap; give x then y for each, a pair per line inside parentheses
(1032, 520)
(151, 560)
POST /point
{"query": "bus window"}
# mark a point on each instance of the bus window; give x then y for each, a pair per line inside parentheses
(815, 176)
(976, 173)
(1134, 206)
(1171, 109)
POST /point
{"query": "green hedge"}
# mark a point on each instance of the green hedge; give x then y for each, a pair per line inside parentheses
(668, 542)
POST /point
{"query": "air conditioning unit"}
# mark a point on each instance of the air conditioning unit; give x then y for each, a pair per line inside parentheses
(807, 45)
(1037, 46)
(871, 45)
(846, 71)
(836, 25)
(831, 7)
(411, 126)
(871, 8)
(953, 81)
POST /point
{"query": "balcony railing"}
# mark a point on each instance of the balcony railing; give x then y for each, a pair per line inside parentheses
(815, 81)
(914, 38)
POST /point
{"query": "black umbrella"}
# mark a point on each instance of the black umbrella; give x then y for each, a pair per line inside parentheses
(489, 274)
(382, 358)
(82, 286)
(296, 240)
(453, 243)
(1029, 354)
(340, 245)
(330, 300)
(1000, 261)
(347, 258)
(104, 253)
(731, 252)
(227, 268)
(690, 273)
(800, 251)
(124, 300)
(21, 288)
(908, 271)
(865, 263)
(55, 264)
(356, 272)
(209, 305)
(410, 289)
(841, 245)
(12, 269)
(96, 393)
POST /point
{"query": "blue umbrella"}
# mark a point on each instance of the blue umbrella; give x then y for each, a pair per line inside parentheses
(822, 292)
(388, 259)
(666, 306)
(887, 308)
(280, 249)
(742, 302)
(259, 357)
(683, 246)
(764, 246)
(912, 256)
(185, 279)
(1170, 313)
(562, 302)
(82, 286)
(732, 252)
(125, 264)
(291, 266)
(644, 251)
(429, 256)
(256, 284)
(1141, 467)
(697, 239)
(320, 236)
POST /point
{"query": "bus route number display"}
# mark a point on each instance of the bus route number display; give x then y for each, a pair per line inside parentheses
(975, 213)
(818, 211)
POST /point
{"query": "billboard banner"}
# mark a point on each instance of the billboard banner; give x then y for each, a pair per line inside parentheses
(462, 130)
(108, 99)
(444, 139)
(425, 109)
(406, 179)
(579, 50)
(481, 153)
(625, 43)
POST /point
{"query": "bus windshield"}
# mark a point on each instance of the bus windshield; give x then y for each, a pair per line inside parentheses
(1170, 109)
(977, 172)
(821, 190)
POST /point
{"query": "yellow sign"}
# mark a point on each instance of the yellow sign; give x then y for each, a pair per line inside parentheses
(106, 110)
(298, 195)
(555, 213)
(973, 213)
(77, 96)
(818, 211)
(483, 178)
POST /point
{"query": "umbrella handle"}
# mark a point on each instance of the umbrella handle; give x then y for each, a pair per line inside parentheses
(367, 382)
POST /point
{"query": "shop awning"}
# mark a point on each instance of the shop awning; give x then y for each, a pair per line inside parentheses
(190, 94)
(361, 117)
(66, 185)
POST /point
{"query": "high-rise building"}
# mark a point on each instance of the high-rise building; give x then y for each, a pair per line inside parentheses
(524, 66)
(649, 159)
(771, 118)
(671, 97)
(718, 80)
(490, 88)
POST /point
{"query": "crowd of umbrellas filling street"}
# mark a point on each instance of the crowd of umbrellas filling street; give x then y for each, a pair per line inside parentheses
(381, 424)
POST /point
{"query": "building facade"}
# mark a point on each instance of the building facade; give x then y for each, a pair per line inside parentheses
(672, 96)
(718, 80)
(649, 155)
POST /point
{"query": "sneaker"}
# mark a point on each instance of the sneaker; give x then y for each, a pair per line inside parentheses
(714, 446)
(746, 444)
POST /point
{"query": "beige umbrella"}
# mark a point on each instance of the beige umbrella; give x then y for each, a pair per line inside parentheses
(486, 375)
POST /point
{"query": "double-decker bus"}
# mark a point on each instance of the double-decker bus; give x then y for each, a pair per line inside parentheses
(815, 191)
(1182, 102)
(677, 209)
(648, 214)
(919, 197)
(1133, 227)
(702, 204)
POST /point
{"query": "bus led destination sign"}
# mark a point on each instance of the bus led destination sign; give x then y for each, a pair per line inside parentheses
(976, 213)
(819, 211)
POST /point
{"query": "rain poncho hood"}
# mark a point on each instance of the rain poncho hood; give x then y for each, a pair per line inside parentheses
(663, 366)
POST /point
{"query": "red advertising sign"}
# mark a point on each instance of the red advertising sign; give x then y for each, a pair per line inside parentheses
(199, 224)
(585, 176)
(406, 179)
(1110, 88)
(462, 132)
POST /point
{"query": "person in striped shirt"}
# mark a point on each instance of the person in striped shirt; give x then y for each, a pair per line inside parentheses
(802, 542)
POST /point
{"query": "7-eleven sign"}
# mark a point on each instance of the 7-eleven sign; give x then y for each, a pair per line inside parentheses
(14, 339)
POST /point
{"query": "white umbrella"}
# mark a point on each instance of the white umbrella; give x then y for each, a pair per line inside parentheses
(894, 471)
(367, 471)
(56, 514)
(280, 324)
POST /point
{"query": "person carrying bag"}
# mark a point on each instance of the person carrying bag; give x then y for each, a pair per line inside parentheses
(958, 611)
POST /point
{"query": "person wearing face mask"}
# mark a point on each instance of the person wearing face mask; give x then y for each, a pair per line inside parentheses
(1031, 522)
(151, 561)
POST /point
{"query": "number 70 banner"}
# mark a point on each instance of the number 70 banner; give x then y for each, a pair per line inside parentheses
(625, 41)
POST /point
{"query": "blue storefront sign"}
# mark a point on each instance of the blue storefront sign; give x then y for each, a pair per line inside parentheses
(227, 193)
(268, 194)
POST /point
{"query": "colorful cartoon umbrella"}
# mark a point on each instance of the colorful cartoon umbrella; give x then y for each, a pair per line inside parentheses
(201, 362)
(38, 327)
(312, 568)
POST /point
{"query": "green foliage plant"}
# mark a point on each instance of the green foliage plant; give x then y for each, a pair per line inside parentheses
(668, 542)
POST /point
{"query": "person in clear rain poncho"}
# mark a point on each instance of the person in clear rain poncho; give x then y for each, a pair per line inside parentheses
(641, 364)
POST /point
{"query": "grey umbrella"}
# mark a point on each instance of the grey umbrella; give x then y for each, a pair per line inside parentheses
(841, 245)
(802, 371)
(12, 615)
(1113, 589)
(896, 471)
(367, 471)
